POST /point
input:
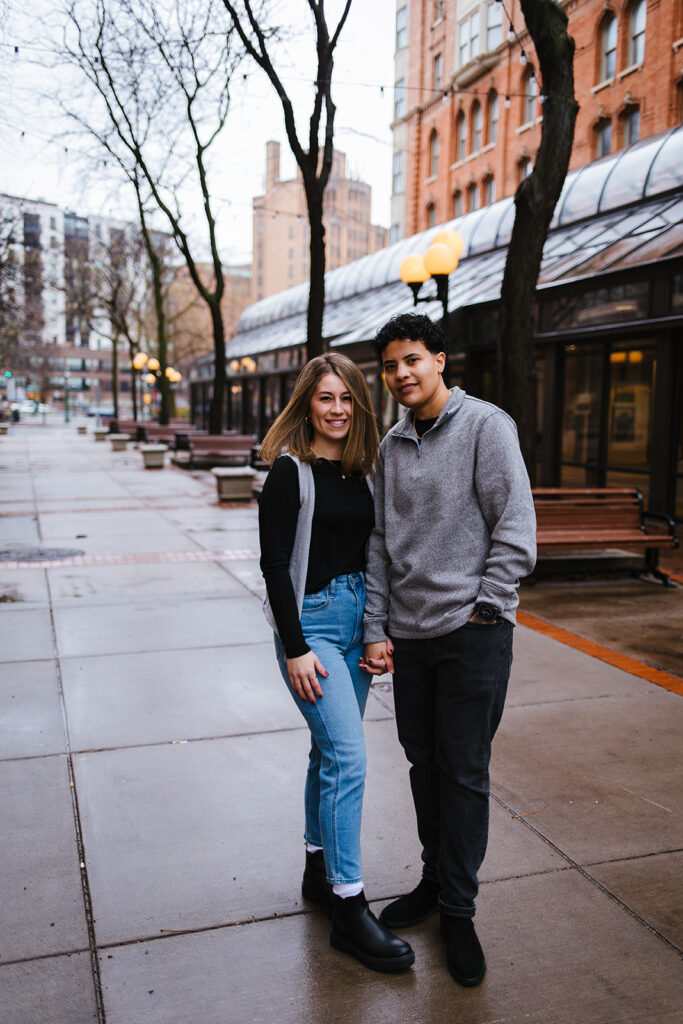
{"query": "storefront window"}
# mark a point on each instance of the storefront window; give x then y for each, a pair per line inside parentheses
(581, 417)
(632, 373)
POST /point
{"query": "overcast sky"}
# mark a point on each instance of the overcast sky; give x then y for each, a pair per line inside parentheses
(35, 165)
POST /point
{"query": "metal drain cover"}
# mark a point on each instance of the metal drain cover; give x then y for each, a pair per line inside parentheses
(27, 554)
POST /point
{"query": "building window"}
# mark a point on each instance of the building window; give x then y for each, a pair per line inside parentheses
(494, 26)
(529, 101)
(476, 126)
(603, 138)
(524, 168)
(489, 191)
(631, 126)
(608, 48)
(399, 99)
(457, 203)
(431, 215)
(460, 137)
(492, 119)
(438, 10)
(636, 43)
(468, 38)
(472, 198)
(398, 185)
(433, 154)
(438, 72)
(401, 28)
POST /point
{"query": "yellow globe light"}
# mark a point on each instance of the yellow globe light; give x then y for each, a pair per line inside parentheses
(440, 259)
(150, 378)
(234, 365)
(413, 270)
(139, 360)
(153, 364)
(147, 399)
(451, 238)
(170, 373)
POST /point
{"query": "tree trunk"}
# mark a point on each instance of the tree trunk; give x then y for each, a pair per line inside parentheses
(316, 295)
(535, 203)
(218, 396)
(115, 374)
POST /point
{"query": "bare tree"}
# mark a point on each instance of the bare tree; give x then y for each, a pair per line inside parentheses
(535, 203)
(162, 77)
(315, 168)
(11, 305)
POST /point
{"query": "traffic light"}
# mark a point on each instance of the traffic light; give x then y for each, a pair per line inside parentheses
(8, 373)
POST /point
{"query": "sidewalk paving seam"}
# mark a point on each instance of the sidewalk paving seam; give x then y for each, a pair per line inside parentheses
(584, 872)
(80, 844)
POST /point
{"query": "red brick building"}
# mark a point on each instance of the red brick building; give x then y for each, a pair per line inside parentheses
(468, 96)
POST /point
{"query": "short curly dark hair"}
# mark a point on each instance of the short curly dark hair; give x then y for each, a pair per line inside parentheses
(410, 327)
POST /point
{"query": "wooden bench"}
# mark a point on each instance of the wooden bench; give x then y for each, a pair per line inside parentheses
(220, 450)
(151, 431)
(598, 518)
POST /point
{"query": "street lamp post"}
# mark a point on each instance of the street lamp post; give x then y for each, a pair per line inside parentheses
(438, 262)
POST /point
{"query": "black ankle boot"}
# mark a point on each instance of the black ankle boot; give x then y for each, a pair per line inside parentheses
(414, 907)
(464, 955)
(356, 930)
(314, 885)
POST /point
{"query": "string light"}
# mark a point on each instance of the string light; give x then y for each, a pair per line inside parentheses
(507, 102)
(511, 33)
(522, 59)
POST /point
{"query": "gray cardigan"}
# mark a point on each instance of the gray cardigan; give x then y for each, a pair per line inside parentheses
(454, 522)
(298, 562)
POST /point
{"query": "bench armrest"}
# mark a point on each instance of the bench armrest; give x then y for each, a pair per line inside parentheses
(661, 517)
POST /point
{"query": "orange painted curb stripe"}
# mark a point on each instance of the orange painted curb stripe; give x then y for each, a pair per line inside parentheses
(622, 661)
(673, 575)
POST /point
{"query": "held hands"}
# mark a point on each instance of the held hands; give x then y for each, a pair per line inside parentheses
(302, 675)
(379, 658)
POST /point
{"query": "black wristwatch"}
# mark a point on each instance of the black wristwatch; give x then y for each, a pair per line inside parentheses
(486, 612)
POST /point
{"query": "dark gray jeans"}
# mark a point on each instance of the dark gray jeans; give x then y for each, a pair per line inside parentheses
(449, 694)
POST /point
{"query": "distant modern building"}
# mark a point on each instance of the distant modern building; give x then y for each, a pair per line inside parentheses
(468, 96)
(281, 232)
(67, 277)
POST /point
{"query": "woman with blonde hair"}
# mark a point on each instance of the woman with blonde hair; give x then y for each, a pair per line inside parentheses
(315, 516)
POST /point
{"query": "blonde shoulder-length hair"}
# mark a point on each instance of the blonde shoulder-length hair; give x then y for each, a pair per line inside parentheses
(292, 430)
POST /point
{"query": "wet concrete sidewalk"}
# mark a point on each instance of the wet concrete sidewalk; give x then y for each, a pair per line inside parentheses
(151, 775)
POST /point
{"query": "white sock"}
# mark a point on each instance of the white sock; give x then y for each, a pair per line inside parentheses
(346, 889)
(310, 848)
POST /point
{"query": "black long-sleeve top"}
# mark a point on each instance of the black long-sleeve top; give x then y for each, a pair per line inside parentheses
(343, 518)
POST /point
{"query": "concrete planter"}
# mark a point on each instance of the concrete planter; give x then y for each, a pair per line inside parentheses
(81, 429)
(101, 433)
(153, 455)
(234, 483)
(119, 442)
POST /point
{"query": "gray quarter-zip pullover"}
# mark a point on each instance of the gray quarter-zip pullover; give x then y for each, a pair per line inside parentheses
(454, 522)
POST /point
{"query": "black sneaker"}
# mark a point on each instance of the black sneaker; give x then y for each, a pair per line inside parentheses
(413, 908)
(464, 955)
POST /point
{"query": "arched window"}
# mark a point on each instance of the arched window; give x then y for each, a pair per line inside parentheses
(457, 203)
(460, 137)
(529, 98)
(433, 153)
(431, 215)
(472, 197)
(631, 126)
(608, 47)
(603, 138)
(492, 119)
(476, 126)
(489, 190)
(524, 168)
(636, 38)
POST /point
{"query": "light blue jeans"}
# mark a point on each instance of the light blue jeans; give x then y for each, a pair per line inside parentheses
(332, 623)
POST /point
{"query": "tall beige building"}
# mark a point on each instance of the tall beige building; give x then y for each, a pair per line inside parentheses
(281, 232)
